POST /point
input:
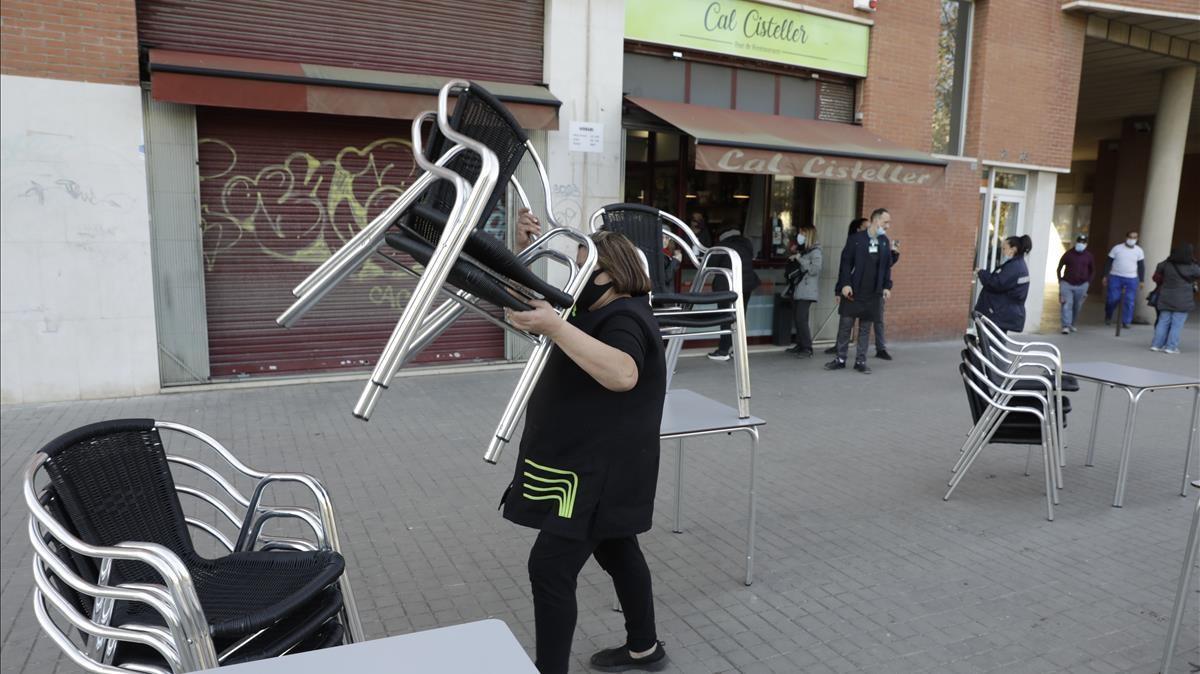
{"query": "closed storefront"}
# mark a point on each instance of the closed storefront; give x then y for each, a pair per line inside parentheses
(302, 117)
(278, 193)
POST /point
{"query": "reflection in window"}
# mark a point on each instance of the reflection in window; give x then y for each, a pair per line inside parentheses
(954, 45)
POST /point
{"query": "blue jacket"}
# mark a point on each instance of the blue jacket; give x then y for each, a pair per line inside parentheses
(855, 258)
(1003, 296)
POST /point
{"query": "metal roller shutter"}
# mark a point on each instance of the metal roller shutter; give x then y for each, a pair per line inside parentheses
(498, 40)
(278, 192)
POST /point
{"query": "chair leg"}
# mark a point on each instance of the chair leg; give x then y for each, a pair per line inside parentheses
(741, 366)
(972, 454)
(1028, 456)
(983, 429)
(1051, 494)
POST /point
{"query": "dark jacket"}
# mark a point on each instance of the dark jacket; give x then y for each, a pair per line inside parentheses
(1079, 267)
(1003, 296)
(745, 250)
(1175, 292)
(856, 256)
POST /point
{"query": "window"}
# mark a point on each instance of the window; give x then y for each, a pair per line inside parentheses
(954, 63)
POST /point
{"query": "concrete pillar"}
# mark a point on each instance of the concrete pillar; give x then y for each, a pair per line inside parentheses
(584, 45)
(1166, 170)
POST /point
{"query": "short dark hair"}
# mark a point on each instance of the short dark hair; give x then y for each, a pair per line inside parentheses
(617, 256)
(878, 213)
(1132, 231)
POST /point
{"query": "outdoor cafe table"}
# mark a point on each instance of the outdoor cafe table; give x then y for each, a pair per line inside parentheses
(687, 414)
(470, 648)
(1135, 381)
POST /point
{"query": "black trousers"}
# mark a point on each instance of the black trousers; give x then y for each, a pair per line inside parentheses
(845, 328)
(800, 314)
(554, 565)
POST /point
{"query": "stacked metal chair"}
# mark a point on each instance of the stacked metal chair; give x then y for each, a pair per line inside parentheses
(469, 160)
(647, 228)
(120, 585)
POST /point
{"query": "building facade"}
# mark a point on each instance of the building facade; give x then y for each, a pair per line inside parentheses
(173, 168)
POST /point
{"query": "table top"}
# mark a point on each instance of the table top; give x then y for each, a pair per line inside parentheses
(470, 648)
(1127, 375)
(689, 412)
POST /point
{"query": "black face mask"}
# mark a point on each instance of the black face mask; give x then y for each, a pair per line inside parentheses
(591, 292)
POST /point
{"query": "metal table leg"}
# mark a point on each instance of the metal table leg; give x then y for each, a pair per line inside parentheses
(1091, 455)
(1127, 445)
(678, 485)
(753, 507)
(1187, 460)
(1185, 575)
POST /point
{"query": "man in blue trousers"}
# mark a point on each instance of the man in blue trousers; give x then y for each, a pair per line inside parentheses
(1124, 272)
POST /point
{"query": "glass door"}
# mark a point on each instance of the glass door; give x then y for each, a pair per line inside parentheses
(1002, 201)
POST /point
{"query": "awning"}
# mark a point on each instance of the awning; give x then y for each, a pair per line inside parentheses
(748, 142)
(257, 84)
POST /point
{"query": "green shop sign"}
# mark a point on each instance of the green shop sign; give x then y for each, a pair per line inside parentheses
(751, 30)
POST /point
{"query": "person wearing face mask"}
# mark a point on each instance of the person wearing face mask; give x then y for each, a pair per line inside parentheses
(805, 262)
(1124, 273)
(1075, 269)
(864, 281)
(588, 461)
(1002, 297)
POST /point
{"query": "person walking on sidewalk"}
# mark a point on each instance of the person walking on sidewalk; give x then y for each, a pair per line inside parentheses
(733, 238)
(864, 280)
(1005, 289)
(1176, 297)
(807, 262)
(1124, 273)
(1075, 269)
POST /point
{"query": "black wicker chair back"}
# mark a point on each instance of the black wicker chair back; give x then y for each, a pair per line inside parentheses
(113, 482)
(477, 115)
(642, 226)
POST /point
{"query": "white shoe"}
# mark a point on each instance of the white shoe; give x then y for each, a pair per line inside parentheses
(1156, 348)
(1066, 331)
(1073, 329)
(1170, 350)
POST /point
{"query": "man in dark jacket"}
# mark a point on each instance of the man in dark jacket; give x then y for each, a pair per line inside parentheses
(1075, 269)
(733, 238)
(864, 281)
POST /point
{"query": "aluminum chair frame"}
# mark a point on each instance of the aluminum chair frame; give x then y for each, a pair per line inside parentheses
(1028, 354)
(999, 399)
(418, 326)
(701, 258)
(184, 642)
(989, 416)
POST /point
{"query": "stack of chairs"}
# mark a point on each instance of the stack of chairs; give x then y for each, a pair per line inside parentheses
(120, 585)
(469, 160)
(647, 228)
(1015, 396)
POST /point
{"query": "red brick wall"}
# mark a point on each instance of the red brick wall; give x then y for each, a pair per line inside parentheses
(84, 40)
(1182, 6)
(1024, 84)
(936, 227)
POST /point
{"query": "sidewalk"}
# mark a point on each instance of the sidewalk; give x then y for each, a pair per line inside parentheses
(860, 565)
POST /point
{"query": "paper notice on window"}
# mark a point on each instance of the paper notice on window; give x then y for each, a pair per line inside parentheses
(586, 137)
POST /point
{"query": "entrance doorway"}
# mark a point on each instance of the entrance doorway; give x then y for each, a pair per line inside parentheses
(1002, 201)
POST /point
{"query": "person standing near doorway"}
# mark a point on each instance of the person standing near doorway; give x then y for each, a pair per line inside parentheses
(1005, 289)
(864, 281)
(1075, 269)
(733, 238)
(881, 352)
(805, 291)
(1176, 297)
(1124, 273)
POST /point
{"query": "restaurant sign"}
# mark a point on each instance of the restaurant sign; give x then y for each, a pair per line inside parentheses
(752, 30)
(824, 167)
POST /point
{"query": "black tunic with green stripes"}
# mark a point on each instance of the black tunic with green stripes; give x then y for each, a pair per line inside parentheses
(588, 462)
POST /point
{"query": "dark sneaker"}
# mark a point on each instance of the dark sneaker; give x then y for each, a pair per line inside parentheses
(1108, 321)
(883, 355)
(831, 350)
(835, 364)
(863, 368)
(795, 348)
(806, 353)
(719, 355)
(619, 660)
